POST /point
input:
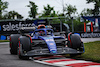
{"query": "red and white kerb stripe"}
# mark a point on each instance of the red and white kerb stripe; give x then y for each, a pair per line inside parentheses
(73, 63)
(67, 62)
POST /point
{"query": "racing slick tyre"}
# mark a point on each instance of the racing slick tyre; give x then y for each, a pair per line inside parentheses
(75, 43)
(14, 43)
(24, 47)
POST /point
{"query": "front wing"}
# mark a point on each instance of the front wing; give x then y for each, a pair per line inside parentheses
(60, 51)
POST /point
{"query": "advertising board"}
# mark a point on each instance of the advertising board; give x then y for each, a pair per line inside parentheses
(8, 27)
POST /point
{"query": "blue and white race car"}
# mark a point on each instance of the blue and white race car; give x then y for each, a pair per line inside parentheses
(43, 42)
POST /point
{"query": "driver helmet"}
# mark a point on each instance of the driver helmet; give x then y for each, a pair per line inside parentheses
(41, 26)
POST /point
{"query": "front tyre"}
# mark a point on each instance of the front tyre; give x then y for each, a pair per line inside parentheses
(75, 43)
(24, 47)
(20, 56)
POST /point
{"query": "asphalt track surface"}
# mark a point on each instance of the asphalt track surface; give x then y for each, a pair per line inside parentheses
(8, 60)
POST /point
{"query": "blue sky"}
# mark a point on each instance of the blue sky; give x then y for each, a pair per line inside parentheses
(20, 6)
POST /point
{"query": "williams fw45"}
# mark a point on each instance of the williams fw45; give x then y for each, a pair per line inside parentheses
(43, 42)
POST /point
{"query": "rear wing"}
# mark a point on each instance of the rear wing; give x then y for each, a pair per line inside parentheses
(59, 33)
(23, 30)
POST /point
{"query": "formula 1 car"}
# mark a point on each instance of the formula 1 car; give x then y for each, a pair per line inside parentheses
(43, 42)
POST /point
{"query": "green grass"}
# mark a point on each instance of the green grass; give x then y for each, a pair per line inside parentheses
(4, 40)
(92, 51)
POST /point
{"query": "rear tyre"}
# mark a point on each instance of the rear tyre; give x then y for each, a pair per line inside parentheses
(14, 43)
(24, 47)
